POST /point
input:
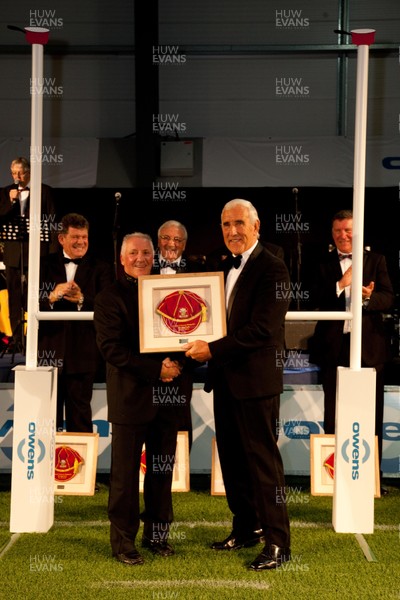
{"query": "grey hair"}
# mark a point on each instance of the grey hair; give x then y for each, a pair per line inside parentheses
(136, 234)
(173, 223)
(253, 214)
(24, 162)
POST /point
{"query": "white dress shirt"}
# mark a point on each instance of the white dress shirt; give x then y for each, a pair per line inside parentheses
(70, 269)
(168, 270)
(345, 263)
(233, 274)
(23, 199)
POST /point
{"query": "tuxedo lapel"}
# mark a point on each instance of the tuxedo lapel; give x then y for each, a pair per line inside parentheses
(335, 271)
(55, 269)
(83, 272)
(334, 266)
(245, 270)
(365, 260)
(180, 269)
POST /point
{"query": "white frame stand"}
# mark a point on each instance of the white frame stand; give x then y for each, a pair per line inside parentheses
(33, 452)
(354, 484)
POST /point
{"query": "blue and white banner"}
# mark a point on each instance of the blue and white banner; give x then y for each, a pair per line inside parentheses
(301, 415)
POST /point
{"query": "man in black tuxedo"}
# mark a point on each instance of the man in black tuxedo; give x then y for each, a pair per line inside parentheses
(214, 260)
(69, 281)
(14, 209)
(170, 258)
(137, 385)
(246, 376)
(330, 345)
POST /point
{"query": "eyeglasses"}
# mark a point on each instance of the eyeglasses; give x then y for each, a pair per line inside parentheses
(168, 238)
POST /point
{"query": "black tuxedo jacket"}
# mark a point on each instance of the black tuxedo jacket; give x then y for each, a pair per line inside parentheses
(326, 342)
(133, 383)
(250, 355)
(186, 265)
(9, 213)
(72, 342)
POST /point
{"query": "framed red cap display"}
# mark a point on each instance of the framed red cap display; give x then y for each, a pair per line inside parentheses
(177, 309)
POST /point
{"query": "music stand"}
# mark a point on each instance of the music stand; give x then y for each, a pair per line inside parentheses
(17, 230)
(116, 228)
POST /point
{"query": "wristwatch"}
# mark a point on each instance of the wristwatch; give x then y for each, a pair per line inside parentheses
(80, 302)
(366, 302)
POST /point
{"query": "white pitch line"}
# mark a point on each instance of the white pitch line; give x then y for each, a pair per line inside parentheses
(9, 544)
(193, 524)
(207, 524)
(369, 555)
(182, 583)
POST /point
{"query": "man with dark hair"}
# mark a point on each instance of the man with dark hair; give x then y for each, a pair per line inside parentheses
(14, 210)
(330, 345)
(69, 281)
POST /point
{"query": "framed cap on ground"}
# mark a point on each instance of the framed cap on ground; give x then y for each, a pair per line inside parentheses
(179, 464)
(322, 465)
(75, 463)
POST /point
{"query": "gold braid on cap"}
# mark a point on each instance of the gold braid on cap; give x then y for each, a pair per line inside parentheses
(188, 296)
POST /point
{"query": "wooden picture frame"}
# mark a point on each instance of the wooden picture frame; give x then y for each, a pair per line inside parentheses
(177, 309)
(217, 482)
(181, 470)
(75, 463)
(322, 449)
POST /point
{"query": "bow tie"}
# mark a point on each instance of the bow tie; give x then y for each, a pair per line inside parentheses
(234, 261)
(166, 263)
(67, 260)
(343, 256)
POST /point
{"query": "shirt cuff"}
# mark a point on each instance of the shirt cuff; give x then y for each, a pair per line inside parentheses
(338, 290)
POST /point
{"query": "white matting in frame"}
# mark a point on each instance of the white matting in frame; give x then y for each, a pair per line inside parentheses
(177, 309)
(217, 481)
(181, 470)
(322, 465)
(75, 463)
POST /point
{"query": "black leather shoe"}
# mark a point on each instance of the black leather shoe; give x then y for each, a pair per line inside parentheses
(130, 558)
(159, 547)
(270, 558)
(236, 541)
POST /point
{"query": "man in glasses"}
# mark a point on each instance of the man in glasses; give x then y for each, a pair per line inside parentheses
(170, 256)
